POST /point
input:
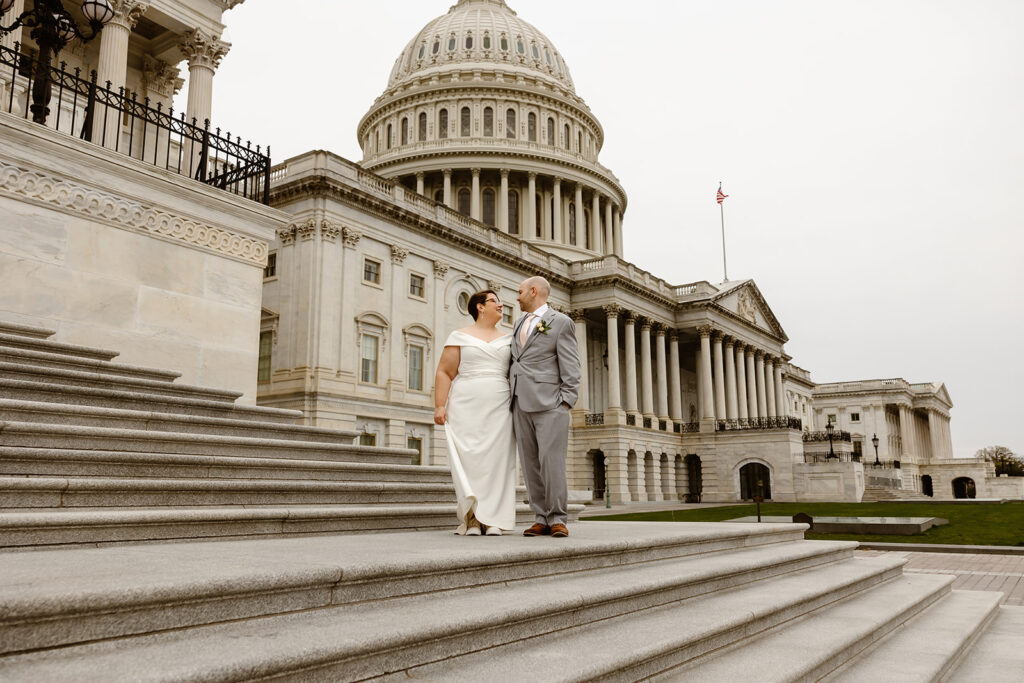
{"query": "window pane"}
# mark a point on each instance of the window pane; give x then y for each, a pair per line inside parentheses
(416, 283)
(551, 131)
(405, 131)
(371, 271)
(423, 126)
(531, 124)
(572, 224)
(463, 302)
(442, 124)
(513, 213)
(487, 42)
(464, 201)
(271, 268)
(416, 368)
(465, 122)
(266, 345)
(488, 121)
(389, 136)
(367, 439)
(510, 123)
(369, 359)
(565, 130)
(506, 314)
(469, 42)
(417, 445)
(489, 207)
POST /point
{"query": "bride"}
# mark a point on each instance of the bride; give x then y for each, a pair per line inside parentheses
(471, 398)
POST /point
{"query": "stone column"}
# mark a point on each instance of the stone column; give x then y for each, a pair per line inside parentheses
(9, 39)
(614, 395)
(947, 435)
(556, 215)
(751, 383)
(741, 381)
(762, 404)
(475, 210)
(646, 374)
(707, 394)
(609, 232)
(204, 53)
(907, 433)
(580, 319)
(675, 398)
(662, 370)
(595, 222)
(719, 376)
(420, 183)
(698, 366)
(448, 188)
(502, 221)
(531, 208)
(935, 435)
(580, 226)
(769, 386)
(731, 411)
(161, 82)
(618, 232)
(112, 67)
(630, 360)
(780, 391)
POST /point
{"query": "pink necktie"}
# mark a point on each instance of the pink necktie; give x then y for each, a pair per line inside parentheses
(525, 331)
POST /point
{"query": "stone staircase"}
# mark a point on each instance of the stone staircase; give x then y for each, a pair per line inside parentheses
(257, 576)
(882, 494)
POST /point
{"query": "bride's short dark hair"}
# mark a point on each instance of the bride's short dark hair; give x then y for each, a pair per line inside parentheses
(478, 299)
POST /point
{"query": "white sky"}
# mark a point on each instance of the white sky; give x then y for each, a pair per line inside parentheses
(873, 151)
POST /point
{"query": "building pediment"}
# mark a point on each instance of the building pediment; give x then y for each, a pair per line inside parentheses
(745, 301)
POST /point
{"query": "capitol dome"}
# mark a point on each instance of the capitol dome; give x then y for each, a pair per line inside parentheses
(480, 114)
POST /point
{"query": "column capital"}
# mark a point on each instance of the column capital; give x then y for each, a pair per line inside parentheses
(612, 310)
(646, 324)
(447, 172)
(557, 183)
(202, 49)
(629, 316)
(673, 335)
(759, 354)
(127, 12)
(705, 330)
(161, 77)
(577, 314)
(475, 171)
(769, 358)
(717, 336)
(504, 173)
(740, 345)
(420, 175)
(532, 175)
(350, 237)
(398, 254)
(728, 341)
(440, 270)
(660, 329)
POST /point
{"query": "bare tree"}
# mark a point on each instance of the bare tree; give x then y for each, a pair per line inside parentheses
(1005, 460)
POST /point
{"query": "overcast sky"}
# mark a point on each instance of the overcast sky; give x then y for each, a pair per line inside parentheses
(873, 151)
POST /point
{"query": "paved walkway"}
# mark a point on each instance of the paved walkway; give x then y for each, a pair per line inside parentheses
(999, 573)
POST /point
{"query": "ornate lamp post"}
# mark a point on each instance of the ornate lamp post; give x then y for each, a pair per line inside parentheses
(830, 428)
(52, 28)
(874, 442)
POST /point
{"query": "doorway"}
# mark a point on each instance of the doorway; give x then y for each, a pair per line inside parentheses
(755, 479)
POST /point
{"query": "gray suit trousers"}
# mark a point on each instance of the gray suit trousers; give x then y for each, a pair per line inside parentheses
(543, 439)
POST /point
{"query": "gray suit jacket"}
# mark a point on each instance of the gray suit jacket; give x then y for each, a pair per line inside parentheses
(546, 372)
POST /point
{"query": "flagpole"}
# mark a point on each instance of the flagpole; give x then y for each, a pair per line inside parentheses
(725, 270)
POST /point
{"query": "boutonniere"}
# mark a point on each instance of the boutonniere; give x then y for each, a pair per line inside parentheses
(542, 327)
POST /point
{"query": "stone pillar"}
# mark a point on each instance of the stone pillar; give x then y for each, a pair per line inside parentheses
(935, 435)
(698, 361)
(707, 395)
(204, 53)
(475, 208)
(420, 183)
(581, 342)
(769, 386)
(655, 493)
(646, 371)
(112, 67)
(662, 370)
(502, 221)
(616, 476)
(762, 404)
(595, 222)
(731, 411)
(907, 433)
(448, 188)
(741, 381)
(752, 383)
(947, 436)
(531, 208)
(161, 82)
(630, 360)
(675, 398)
(611, 311)
(719, 376)
(780, 391)
(618, 232)
(609, 232)
(556, 215)
(580, 225)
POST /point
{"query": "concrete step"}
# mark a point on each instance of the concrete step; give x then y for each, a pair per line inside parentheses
(129, 399)
(119, 418)
(392, 637)
(103, 380)
(927, 646)
(12, 340)
(996, 656)
(177, 585)
(56, 436)
(42, 359)
(15, 329)
(61, 462)
(22, 493)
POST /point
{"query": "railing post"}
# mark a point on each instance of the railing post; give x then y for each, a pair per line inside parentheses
(266, 178)
(204, 153)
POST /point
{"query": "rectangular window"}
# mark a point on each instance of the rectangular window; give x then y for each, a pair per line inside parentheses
(415, 368)
(416, 285)
(506, 314)
(266, 344)
(367, 439)
(368, 356)
(271, 268)
(858, 448)
(854, 417)
(832, 418)
(371, 271)
(417, 445)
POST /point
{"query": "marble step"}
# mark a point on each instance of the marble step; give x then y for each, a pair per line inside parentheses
(368, 639)
(926, 647)
(178, 585)
(20, 461)
(102, 380)
(45, 359)
(996, 656)
(23, 493)
(131, 399)
(11, 328)
(56, 436)
(11, 338)
(119, 418)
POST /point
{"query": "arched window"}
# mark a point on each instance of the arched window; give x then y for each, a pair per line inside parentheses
(536, 54)
(504, 43)
(423, 49)
(464, 123)
(547, 56)
(539, 217)
(531, 127)
(405, 131)
(513, 213)
(451, 43)
(586, 228)
(487, 41)
(439, 196)
(489, 206)
(437, 46)
(579, 142)
(469, 42)
(442, 124)
(568, 140)
(520, 47)
(389, 136)
(423, 126)
(464, 201)
(488, 122)
(572, 223)
(510, 123)
(551, 131)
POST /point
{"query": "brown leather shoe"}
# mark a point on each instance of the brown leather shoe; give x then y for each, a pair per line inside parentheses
(559, 531)
(538, 529)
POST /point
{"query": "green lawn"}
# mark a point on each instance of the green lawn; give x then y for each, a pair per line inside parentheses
(969, 524)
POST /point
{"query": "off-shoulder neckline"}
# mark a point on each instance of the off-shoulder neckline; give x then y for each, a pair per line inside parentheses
(504, 336)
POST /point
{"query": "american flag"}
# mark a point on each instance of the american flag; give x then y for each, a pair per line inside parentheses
(720, 197)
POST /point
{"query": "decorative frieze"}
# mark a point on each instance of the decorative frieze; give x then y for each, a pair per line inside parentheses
(329, 232)
(350, 236)
(128, 214)
(440, 270)
(307, 230)
(398, 254)
(286, 235)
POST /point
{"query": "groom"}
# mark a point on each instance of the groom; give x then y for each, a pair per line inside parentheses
(545, 382)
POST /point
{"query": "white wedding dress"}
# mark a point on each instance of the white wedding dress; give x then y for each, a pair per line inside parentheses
(481, 445)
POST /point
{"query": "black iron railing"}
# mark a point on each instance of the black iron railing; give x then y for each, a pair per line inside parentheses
(647, 423)
(823, 436)
(839, 457)
(781, 422)
(631, 420)
(690, 427)
(158, 136)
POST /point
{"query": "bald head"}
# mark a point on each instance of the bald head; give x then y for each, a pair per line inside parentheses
(533, 293)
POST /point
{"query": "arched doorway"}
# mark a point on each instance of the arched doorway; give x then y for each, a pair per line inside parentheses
(693, 477)
(963, 487)
(600, 474)
(926, 485)
(755, 479)
(631, 475)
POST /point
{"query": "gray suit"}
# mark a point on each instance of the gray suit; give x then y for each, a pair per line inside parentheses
(544, 376)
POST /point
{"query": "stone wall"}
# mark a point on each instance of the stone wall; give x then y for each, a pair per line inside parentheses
(829, 482)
